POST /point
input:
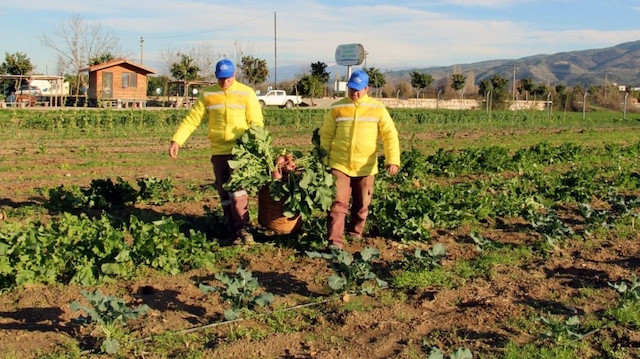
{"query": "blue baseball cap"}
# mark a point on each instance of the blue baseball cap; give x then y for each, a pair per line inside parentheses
(358, 80)
(225, 69)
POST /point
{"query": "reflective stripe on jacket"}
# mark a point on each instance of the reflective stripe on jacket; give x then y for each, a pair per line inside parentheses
(230, 112)
(350, 134)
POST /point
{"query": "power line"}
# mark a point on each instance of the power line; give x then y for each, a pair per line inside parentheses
(205, 31)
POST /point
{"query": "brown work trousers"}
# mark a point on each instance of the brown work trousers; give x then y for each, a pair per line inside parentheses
(358, 191)
(235, 205)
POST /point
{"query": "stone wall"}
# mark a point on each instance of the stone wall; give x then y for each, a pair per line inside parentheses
(432, 103)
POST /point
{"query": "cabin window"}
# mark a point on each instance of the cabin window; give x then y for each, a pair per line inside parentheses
(128, 79)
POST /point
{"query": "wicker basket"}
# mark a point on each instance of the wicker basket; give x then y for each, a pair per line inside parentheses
(270, 214)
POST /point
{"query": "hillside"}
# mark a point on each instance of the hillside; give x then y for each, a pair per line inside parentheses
(619, 64)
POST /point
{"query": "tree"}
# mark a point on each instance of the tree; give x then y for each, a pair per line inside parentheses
(420, 80)
(562, 99)
(539, 91)
(575, 99)
(157, 82)
(102, 58)
(458, 81)
(499, 89)
(389, 90)
(403, 89)
(74, 84)
(526, 87)
(254, 71)
(313, 84)
(471, 82)
(319, 71)
(185, 69)
(485, 87)
(309, 86)
(15, 64)
(76, 42)
(376, 78)
(204, 56)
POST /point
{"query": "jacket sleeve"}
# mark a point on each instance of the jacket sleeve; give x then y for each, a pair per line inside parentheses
(390, 141)
(254, 111)
(327, 132)
(190, 122)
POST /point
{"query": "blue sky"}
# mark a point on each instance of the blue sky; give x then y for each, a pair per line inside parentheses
(395, 34)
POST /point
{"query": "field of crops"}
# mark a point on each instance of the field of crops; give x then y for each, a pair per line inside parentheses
(505, 235)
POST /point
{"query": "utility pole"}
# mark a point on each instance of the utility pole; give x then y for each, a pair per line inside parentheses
(605, 84)
(275, 54)
(141, 50)
(514, 83)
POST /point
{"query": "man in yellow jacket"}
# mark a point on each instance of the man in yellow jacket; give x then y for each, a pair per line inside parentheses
(231, 108)
(350, 134)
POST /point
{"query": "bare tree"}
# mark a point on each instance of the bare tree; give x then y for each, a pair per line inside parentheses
(204, 56)
(76, 41)
(404, 89)
(241, 50)
(169, 57)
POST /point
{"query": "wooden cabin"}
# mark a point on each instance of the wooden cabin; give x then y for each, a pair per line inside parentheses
(119, 83)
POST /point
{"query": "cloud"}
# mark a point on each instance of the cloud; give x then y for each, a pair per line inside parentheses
(399, 34)
(486, 3)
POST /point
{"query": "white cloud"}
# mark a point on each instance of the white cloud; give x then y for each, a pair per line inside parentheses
(402, 33)
(486, 3)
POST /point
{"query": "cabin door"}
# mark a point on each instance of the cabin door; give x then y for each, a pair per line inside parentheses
(107, 85)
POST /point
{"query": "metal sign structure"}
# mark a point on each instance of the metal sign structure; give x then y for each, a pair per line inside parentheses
(349, 54)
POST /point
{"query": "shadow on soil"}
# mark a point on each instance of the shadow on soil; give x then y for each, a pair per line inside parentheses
(34, 319)
(491, 339)
(579, 278)
(5, 202)
(282, 284)
(167, 300)
(552, 307)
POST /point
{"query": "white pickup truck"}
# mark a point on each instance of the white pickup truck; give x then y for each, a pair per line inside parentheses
(279, 98)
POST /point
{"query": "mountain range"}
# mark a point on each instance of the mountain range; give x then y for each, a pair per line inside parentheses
(618, 64)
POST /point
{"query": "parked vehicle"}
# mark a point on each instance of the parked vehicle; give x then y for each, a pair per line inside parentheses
(29, 90)
(49, 88)
(279, 98)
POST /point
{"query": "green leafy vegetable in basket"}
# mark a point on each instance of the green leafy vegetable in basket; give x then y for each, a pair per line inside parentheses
(301, 181)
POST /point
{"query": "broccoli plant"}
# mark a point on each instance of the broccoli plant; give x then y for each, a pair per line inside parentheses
(351, 272)
(630, 290)
(109, 313)
(154, 190)
(421, 260)
(239, 291)
(595, 218)
(558, 329)
(460, 353)
(483, 243)
(550, 226)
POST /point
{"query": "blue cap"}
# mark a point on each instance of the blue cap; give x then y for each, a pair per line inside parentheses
(358, 80)
(225, 69)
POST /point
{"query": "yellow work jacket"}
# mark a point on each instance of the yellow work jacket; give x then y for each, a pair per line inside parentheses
(350, 134)
(230, 112)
